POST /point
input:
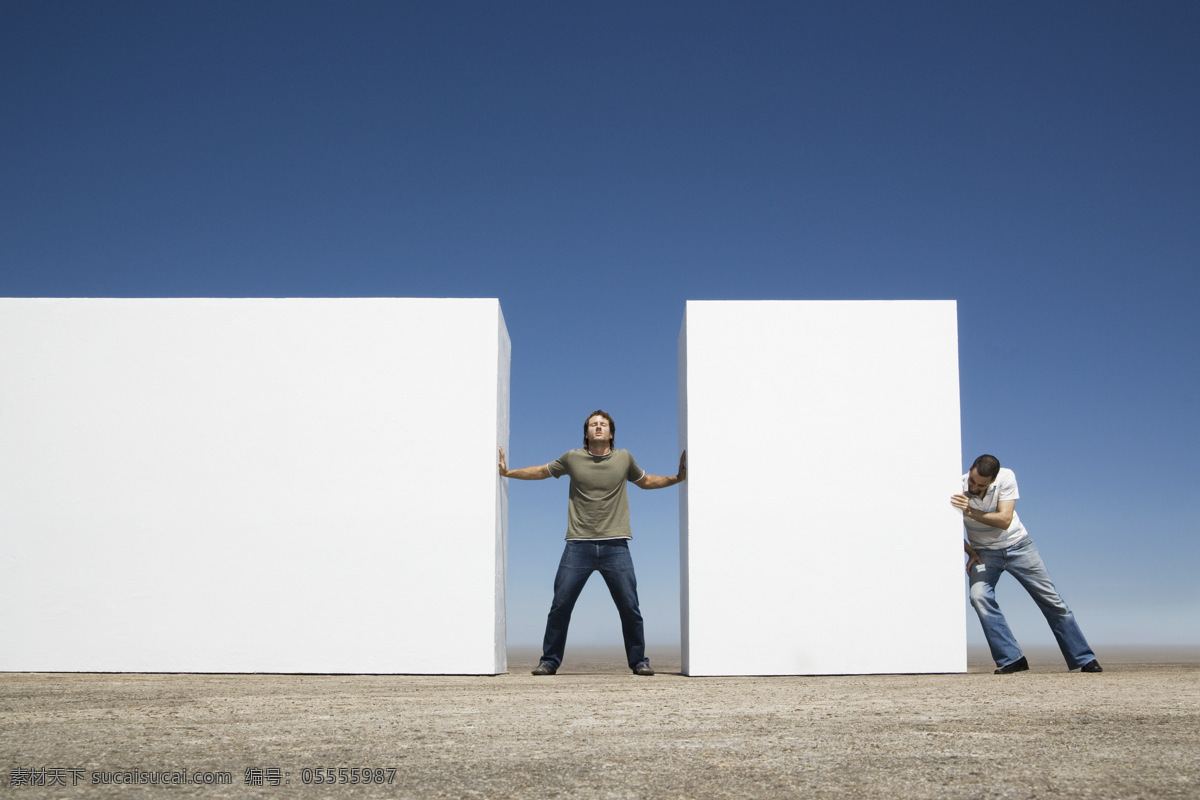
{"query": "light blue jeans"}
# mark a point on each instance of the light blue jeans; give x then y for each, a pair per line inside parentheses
(1024, 563)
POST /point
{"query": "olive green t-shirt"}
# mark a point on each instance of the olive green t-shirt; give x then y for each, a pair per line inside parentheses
(599, 506)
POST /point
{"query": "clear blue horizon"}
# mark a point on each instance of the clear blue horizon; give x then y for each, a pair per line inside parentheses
(596, 166)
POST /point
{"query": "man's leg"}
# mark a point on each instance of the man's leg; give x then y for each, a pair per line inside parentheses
(574, 568)
(1026, 565)
(616, 567)
(1000, 639)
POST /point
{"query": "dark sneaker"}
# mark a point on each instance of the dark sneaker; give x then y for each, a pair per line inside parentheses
(1020, 665)
(1092, 666)
(545, 669)
(643, 669)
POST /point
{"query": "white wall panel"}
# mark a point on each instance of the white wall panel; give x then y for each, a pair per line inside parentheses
(252, 485)
(823, 445)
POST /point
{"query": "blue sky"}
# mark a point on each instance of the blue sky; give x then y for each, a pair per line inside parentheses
(595, 165)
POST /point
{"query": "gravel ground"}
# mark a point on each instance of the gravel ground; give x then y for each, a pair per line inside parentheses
(596, 731)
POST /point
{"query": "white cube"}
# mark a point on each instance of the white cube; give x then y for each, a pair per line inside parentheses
(253, 485)
(816, 533)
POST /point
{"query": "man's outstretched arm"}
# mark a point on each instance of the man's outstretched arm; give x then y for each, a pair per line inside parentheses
(524, 473)
(649, 481)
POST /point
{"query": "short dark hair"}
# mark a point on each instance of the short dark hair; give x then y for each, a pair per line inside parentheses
(612, 427)
(987, 466)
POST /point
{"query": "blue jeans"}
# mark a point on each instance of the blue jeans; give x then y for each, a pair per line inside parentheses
(1024, 563)
(579, 560)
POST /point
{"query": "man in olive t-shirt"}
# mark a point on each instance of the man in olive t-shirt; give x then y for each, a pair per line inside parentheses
(598, 535)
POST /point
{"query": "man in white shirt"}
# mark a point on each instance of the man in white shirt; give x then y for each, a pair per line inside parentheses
(996, 543)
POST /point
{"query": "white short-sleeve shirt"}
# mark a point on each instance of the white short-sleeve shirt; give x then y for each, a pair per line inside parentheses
(987, 536)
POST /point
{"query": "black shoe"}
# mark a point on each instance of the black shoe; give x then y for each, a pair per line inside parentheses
(1020, 665)
(643, 669)
(545, 669)
(1092, 666)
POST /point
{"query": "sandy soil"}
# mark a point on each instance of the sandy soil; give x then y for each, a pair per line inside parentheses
(596, 731)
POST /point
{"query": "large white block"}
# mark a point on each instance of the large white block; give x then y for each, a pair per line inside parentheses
(816, 534)
(252, 485)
